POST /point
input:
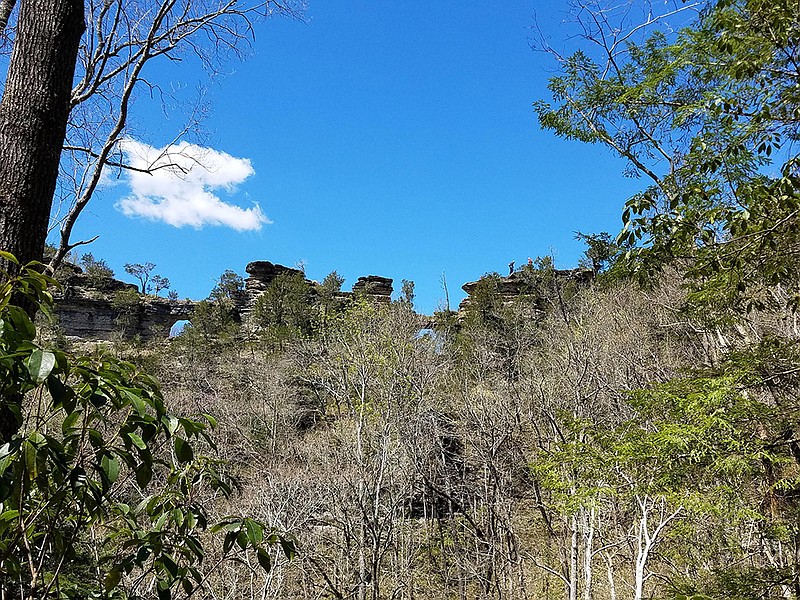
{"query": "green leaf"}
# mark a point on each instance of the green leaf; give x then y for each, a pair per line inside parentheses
(110, 467)
(69, 422)
(255, 533)
(187, 586)
(9, 257)
(227, 543)
(211, 420)
(60, 393)
(29, 453)
(112, 579)
(9, 515)
(183, 450)
(288, 548)
(170, 422)
(40, 364)
(137, 441)
(164, 593)
(6, 457)
(21, 323)
(144, 473)
(170, 565)
(264, 559)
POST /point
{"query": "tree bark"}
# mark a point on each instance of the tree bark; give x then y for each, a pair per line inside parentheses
(6, 8)
(33, 120)
(33, 124)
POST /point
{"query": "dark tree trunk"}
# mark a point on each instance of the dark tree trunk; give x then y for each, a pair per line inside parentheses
(6, 8)
(33, 124)
(33, 120)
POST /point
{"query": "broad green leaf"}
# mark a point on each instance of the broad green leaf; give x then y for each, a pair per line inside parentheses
(169, 564)
(163, 591)
(112, 580)
(137, 441)
(60, 393)
(40, 364)
(170, 422)
(288, 548)
(255, 533)
(21, 323)
(144, 473)
(9, 257)
(227, 543)
(9, 515)
(69, 422)
(110, 467)
(183, 450)
(264, 559)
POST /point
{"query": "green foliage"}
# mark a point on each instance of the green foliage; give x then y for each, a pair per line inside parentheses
(331, 302)
(284, 310)
(601, 251)
(332, 284)
(407, 292)
(485, 306)
(159, 283)
(228, 288)
(142, 272)
(97, 269)
(215, 321)
(708, 114)
(99, 484)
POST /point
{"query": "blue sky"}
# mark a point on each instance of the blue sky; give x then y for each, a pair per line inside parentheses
(383, 138)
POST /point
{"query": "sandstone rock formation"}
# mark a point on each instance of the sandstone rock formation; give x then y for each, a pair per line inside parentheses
(260, 274)
(86, 306)
(86, 309)
(375, 287)
(523, 283)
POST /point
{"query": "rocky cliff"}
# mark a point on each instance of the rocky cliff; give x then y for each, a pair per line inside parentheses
(102, 308)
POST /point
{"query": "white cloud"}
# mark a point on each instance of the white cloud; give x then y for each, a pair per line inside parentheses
(179, 189)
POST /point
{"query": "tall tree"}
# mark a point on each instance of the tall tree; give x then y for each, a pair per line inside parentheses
(33, 119)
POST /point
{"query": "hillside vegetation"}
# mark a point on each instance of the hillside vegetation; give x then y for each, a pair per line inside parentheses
(632, 436)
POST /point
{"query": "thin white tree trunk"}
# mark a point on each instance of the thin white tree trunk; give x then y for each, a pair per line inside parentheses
(612, 588)
(573, 560)
(588, 550)
(645, 540)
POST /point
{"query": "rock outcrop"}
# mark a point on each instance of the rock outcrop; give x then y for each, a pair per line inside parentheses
(375, 287)
(260, 274)
(103, 308)
(89, 308)
(525, 282)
